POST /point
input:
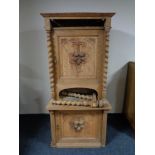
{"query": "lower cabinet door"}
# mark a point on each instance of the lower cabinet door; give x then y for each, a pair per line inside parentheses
(78, 128)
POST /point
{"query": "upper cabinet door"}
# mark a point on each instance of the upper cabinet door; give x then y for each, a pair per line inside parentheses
(79, 53)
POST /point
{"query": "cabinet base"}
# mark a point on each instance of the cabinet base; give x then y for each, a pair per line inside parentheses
(78, 128)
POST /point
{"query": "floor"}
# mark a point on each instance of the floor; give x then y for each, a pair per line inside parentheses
(35, 137)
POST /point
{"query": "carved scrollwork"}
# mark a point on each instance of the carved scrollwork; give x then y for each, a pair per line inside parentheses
(78, 58)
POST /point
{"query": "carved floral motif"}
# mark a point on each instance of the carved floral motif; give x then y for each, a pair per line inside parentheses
(77, 58)
(78, 125)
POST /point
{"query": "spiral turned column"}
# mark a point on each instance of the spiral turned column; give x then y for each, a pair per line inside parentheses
(50, 63)
(105, 69)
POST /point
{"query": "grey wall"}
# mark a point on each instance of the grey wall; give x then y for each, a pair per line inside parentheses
(34, 82)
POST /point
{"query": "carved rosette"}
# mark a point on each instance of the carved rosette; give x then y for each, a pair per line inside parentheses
(78, 124)
(50, 62)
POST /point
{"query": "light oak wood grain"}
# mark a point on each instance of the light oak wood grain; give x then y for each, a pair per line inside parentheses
(92, 135)
(78, 58)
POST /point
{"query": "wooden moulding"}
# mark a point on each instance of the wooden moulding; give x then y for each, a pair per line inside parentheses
(87, 15)
(78, 14)
(107, 107)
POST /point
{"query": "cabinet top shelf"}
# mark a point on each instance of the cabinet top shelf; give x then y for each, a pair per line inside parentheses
(78, 14)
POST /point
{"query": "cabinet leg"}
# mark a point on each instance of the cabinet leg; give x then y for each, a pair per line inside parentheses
(104, 128)
(52, 121)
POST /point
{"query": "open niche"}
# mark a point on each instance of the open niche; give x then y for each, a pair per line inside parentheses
(78, 96)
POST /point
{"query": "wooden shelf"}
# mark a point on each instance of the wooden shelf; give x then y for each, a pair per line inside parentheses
(50, 106)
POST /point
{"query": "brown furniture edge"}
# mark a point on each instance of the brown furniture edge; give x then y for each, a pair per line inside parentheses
(79, 14)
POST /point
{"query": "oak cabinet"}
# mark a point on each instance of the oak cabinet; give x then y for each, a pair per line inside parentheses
(78, 46)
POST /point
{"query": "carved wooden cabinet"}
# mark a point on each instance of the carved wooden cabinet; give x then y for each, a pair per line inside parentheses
(78, 58)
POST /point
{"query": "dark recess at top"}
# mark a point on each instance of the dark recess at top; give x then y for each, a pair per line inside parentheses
(77, 22)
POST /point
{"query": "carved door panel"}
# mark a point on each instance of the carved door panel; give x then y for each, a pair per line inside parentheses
(83, 126)
(78, 53)
(77, 57)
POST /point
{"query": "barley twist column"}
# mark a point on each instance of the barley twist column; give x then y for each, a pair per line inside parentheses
(50, 63)
(105, 69)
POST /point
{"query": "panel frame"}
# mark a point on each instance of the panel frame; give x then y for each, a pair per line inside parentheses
(62, 141)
